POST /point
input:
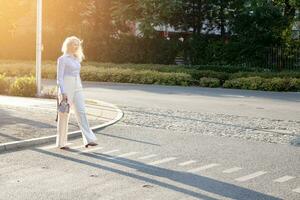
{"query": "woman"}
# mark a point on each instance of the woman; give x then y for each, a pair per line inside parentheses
(70, 90)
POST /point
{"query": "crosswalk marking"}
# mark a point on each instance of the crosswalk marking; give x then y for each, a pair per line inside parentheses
(92, 149)
(48, 147)
(146, 157)
(187, 163)
(77, 147)
(296, 190)
(203, 167)
(162, 161)
(250, 176)
(283, 179)
(231, 170)
(126, 154)
(111, 151)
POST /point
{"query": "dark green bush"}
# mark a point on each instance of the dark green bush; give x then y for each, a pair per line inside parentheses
(169, 75)
(135, 76)
(283, 74)
(222, 76)
(251, 83)
(276, 84)
(131, 49)
(295, 84)
(23, 86)
(267, 84)
(209, 82)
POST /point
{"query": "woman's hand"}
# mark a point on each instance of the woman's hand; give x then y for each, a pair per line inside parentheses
(64, 97)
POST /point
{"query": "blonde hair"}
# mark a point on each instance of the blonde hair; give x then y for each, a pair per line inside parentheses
(79, 53)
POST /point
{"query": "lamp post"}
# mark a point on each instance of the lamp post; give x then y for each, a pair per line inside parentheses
(38, 47)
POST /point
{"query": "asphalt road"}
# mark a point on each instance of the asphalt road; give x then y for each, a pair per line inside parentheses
(140, 162)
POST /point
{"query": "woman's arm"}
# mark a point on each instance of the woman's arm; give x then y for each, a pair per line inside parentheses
(60, 74)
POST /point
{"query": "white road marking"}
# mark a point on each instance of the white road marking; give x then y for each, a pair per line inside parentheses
(296, 190)
(203, 167)
(162, 161)
(92, 149)
(126, 154)
(112, 151)
(250, 176)
(149, 156)
(284, 179)
(187, 163)
(231, 170)
(77, 147)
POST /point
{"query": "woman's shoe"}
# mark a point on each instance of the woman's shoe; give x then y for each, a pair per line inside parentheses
(90, 144)
(65, 148)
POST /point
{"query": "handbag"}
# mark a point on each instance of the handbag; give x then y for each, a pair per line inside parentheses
(62, 107)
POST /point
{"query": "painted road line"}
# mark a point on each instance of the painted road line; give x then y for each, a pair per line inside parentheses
(250, 176)
(77, 147)
(161, 161)
(187, 163)
(89, 150)
(126, 154)
(148, 156)
(111, 151)
(296, 190)
(231, 170)
(203, 167)
(48, 147)
(284, 179)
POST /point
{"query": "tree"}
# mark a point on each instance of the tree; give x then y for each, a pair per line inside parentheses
(148, 13)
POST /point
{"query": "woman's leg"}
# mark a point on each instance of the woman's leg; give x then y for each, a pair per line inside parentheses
(62, 129)
(80, 113)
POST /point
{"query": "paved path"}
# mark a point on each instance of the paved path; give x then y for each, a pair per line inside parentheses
(173, 143)
(275, 105)
(145, 163)
(253, 115)
(26, 118)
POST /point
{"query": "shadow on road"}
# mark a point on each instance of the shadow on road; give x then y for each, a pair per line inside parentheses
(194, 180)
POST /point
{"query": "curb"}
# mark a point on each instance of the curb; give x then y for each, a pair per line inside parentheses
(10, 146)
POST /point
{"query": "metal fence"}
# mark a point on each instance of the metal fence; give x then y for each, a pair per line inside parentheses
(280, 58)
(275, 58)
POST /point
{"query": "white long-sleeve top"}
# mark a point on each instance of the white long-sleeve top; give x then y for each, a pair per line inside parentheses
(67, 65)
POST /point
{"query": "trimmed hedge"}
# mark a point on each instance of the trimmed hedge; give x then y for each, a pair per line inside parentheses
(267, 84)
(23, 86)
(4, 84)
(17, 86)
(162, 74)
(209, 82)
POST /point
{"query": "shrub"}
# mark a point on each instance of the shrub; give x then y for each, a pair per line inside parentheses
(284, 74)
(4, 84)
(222, 76)
(49, 93)
(136, 76)
(268, 84)
(276, 84)
(209, 82)
(295, 84)
(23, 86)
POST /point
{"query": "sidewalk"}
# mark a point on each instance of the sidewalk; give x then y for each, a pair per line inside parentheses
(25, 119)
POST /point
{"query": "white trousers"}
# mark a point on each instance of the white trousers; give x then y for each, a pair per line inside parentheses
(73, 89)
